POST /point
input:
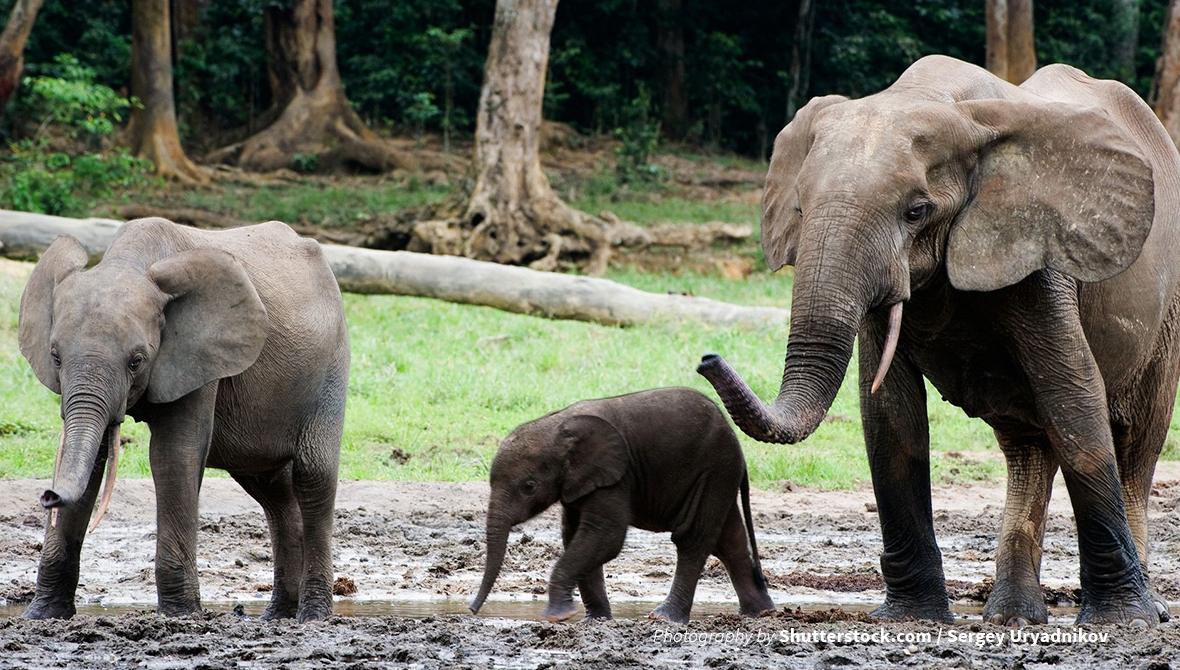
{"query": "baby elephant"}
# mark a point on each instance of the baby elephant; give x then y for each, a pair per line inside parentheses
(661, 460)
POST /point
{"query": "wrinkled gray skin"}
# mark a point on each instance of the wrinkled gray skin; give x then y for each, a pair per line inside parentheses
(662, 460)
(232, 347)
(1032, 234)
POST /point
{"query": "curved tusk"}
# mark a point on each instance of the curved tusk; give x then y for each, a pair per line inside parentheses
(890, 346)
(109, 486)
(61, 446)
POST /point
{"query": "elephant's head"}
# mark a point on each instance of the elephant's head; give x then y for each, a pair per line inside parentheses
(563, 456)
(130, 331)
(949, 174)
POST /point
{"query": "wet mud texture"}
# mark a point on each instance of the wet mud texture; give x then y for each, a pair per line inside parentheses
(424, 542)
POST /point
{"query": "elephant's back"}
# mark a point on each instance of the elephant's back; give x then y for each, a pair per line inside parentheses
(673, 426)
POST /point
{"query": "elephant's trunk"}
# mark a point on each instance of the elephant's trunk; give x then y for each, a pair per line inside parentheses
(497, 536)
(87, 419)
(826, 313)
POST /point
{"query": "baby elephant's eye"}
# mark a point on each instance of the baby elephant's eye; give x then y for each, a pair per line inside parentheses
(529, 486)
(135, 363)
(915, 213)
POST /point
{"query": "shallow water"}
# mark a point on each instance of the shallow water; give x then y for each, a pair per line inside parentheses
(518, 610)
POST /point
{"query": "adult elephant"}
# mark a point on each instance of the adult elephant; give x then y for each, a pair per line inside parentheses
(1033, 235)
(232, 347)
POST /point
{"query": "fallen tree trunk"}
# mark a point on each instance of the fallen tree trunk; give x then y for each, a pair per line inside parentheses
(25, 236)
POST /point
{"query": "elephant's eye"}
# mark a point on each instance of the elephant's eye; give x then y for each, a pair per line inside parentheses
(529, 486)
(56, 358)
(916, 213)
(135, 363)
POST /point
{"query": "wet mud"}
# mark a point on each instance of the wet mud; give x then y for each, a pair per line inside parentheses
(408, 556)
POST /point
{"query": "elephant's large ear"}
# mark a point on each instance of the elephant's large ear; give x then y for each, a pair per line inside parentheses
(63, 258)
(214, 323)
(1059, 186)
(780, 218)
(596, 455)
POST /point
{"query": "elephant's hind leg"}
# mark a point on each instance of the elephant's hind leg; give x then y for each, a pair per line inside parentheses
(275, 492)
(1017, 599)
(734, 551)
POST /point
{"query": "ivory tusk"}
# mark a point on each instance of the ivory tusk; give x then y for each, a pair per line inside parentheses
(61, 446)
(890, 346)
(109, 485)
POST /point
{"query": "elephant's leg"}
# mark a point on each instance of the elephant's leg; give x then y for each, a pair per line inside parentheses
(598, 538)
(57, 576)
(897, 438)
(677, 607)
(1071, 404)
(733, 549)
(314, 474)
(593, 587)
(1017, 599)
(181, 438)
(275, 492)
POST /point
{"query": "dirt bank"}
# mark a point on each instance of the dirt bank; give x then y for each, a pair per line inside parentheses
(422, 543)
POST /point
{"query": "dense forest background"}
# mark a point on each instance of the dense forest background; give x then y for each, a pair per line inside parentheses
(716, 74)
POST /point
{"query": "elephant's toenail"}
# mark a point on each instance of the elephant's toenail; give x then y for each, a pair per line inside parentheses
(1017, 622)
(996, 619)
(1138, 623)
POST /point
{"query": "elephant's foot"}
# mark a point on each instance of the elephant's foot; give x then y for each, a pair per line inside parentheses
(285, 609)
(895, 610)
(672, 612)
(1137, 610)
(557, 611)
(1161, 605)
(178, 609)
(49, 609)
(757, 606)
(314, 607)
(1016, 606)
(602, 613)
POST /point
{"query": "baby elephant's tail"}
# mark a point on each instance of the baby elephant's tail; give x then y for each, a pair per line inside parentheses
(759, 578)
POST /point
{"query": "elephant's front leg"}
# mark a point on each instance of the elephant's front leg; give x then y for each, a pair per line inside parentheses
(1071, 404)
(1017, 599)
(898, 442)
(181, 435)
(593, 587)
(57, 576)
(602, 527)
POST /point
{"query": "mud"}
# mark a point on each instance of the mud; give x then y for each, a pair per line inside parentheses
(413, 553)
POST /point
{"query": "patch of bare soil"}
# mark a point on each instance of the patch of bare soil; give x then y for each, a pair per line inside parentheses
(423, 543)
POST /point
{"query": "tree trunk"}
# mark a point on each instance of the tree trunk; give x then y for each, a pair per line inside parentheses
(305, 85)
(12, 46)
(512, 215)
(1010, 48)
(151, 132)
(670, 41)
(1125, 22)
(800, 58)
(1165, 93)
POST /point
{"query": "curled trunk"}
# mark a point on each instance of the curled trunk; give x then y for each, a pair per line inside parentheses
(497, 534)
(825, 318)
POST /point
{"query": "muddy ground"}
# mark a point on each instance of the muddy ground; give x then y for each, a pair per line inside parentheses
(414, 553)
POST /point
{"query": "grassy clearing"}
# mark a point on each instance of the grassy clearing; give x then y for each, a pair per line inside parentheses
(436, 385)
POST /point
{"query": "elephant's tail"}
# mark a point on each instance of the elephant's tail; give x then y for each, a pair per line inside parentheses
(759, 578)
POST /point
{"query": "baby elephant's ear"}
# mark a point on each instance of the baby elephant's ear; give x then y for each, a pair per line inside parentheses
(596, 455)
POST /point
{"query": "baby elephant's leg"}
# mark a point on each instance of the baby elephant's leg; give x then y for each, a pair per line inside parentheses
(734, 551)
(690, 561)
(593, 586)
(597, 539)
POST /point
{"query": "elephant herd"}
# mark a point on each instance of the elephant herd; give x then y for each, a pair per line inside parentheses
(1032, 234)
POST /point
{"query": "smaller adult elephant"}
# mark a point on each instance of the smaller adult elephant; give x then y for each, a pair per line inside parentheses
(232, 347)
(661, 460)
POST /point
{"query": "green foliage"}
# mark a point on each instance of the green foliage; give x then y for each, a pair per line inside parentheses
(420, 112)
(69, 96)
(305, 163)
(638, 138)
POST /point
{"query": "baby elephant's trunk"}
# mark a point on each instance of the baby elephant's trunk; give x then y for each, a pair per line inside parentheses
(497, 544)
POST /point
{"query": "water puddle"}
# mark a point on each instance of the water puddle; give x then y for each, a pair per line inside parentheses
(517, 610)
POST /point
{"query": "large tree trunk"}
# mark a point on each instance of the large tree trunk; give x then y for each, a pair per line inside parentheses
(12, 46)
(512, 215)
(151, 132)
(800, 58)
(1165, 93)
(1125, 22)
(1010, 49)
(305, 85)
(673, 96)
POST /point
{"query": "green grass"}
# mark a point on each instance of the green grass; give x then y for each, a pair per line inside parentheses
(442, 383)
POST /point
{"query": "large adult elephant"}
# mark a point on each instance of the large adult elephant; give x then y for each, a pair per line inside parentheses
(1033, 235)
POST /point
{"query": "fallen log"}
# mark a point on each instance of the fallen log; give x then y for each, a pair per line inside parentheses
(25, 236)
